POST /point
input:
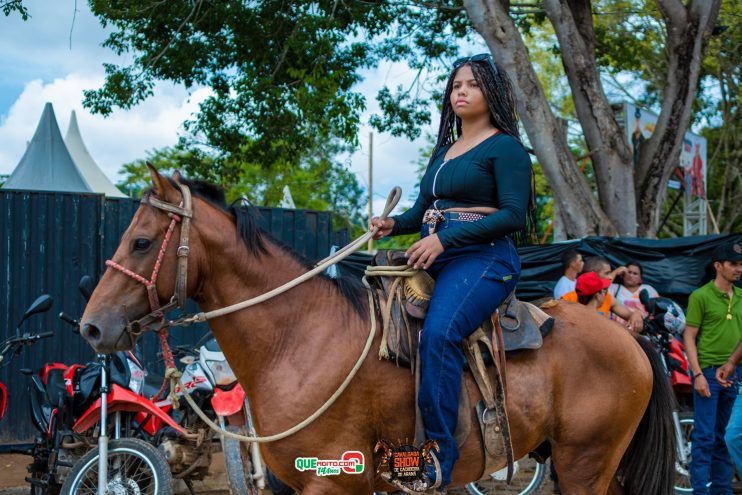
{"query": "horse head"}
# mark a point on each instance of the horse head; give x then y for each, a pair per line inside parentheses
(141, 276)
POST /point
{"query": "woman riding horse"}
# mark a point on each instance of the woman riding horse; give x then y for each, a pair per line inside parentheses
(474, 194)
(592, 396)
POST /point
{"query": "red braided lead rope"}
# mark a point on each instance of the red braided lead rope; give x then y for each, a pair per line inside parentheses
(154, 302)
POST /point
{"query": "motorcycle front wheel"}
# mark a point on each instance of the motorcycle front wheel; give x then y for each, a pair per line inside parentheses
(134, 466)
(528, 476)
(238, 463)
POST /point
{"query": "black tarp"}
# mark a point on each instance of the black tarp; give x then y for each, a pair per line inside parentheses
(675, 267)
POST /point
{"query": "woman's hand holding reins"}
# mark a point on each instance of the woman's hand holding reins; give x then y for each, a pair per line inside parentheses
(423, 253)
(385, 226)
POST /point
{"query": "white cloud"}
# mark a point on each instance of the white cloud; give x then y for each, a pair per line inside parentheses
(39, 65)
(122, 137)
(394, 159)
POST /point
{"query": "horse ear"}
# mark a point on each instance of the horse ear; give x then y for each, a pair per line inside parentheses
(161, 186)
(177, 176)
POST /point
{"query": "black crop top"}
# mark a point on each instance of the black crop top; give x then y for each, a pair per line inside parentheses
(495, 173)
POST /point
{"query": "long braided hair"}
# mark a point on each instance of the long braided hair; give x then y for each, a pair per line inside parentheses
(498, 92)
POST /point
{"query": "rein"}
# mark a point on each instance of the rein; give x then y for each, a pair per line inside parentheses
(183, 213)
(319, 267)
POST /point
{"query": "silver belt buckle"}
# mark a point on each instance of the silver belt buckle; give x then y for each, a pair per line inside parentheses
(433, 217)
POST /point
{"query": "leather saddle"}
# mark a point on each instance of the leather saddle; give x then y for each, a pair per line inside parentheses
(402, 295)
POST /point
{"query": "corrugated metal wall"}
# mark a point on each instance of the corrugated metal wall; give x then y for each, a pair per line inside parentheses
(50, 240)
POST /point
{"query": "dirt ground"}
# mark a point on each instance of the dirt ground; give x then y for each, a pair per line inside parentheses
(13, 472)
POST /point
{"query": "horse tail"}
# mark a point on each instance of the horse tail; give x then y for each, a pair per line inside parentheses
(648, 466)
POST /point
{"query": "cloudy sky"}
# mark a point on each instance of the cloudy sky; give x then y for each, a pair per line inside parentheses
(50, 59)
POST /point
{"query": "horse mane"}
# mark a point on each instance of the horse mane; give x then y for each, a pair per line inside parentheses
(246, 217)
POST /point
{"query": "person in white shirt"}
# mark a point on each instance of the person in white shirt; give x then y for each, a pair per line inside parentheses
(629, 286)
(572, 264)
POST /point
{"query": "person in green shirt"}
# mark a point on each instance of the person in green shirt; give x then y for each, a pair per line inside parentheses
(713, 329)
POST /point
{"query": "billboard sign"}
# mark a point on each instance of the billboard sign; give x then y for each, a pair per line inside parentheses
(691, 172)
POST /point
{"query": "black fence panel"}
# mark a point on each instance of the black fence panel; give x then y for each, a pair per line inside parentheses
(675, 267)
(50, 240)
(307, 232)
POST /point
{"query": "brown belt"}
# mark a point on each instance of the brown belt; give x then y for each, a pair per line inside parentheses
(433, 217)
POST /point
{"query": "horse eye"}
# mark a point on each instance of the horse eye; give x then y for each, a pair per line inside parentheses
(141, 244)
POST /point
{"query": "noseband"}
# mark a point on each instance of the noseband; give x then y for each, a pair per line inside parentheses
(182, 213)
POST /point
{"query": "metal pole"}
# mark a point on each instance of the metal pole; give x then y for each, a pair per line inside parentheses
(103, 437)
(257, 460)
(370, 184)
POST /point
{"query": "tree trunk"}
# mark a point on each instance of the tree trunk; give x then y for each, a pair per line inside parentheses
(580, 211)
(688, 30)
(612, 160)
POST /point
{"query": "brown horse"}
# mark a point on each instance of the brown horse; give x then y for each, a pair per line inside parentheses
(587, 393)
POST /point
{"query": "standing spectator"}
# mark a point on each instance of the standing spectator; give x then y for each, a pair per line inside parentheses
(733, 435)
(713, 329)
(627, 288)
(571, 267)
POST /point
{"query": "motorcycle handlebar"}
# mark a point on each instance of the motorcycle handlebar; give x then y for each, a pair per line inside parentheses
(13, 344)
(67, 319)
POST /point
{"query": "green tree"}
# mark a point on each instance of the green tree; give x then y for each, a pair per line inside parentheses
(9, 6)
(283, 76)
(716, 107)
(721, 99)
(319, 183)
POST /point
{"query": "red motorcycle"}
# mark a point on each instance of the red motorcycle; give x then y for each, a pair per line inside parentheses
(78, 408)
(186, 443)
(62, 397)
(177, 434)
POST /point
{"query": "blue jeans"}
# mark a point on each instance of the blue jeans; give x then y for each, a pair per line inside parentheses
(710, 460)
(733, 436)
(471, 282)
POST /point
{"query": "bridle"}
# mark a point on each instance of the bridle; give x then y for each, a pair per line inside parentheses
(184, 213)
(181, 213)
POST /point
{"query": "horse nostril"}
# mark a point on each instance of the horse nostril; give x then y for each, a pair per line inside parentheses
(91, 332)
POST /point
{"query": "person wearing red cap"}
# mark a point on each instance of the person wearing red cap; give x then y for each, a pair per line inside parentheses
(592, 291)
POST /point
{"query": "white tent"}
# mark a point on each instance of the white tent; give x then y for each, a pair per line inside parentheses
(93, 175)
(51, 165)
(47, 165)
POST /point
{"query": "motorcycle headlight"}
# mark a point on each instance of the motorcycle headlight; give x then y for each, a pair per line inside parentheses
(222, 373)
